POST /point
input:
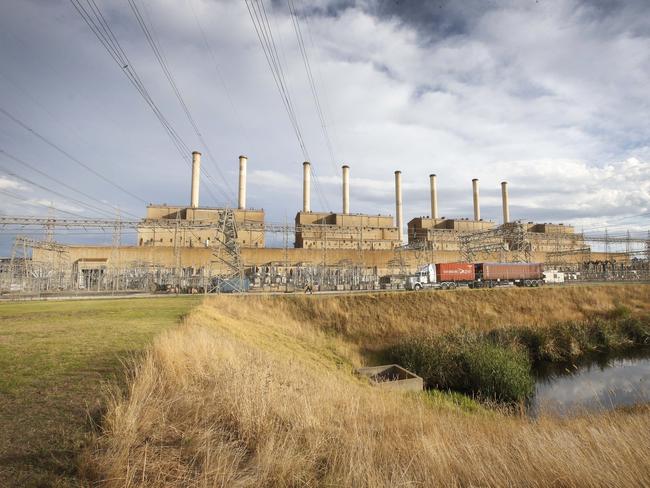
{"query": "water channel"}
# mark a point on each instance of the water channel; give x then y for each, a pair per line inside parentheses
(599, 383)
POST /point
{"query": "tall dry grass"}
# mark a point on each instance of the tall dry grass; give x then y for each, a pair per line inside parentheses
(247, 394)
(380, 319)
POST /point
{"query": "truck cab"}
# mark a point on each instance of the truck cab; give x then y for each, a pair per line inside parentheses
(425, 277)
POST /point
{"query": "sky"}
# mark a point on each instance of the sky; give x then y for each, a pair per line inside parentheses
(552, 96)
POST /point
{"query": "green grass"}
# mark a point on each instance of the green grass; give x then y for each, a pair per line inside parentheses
(55, 358)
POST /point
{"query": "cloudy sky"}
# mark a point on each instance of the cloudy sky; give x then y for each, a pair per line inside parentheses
(552, 96)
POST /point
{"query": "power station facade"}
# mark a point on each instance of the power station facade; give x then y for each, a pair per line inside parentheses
(191, 237)
(345, 230)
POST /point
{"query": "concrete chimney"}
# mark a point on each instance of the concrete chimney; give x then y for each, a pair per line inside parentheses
(306, 187)
(505, 203)
(196, 179)
(242, 182)
(477, 208)
(346, 189)
(434, 196)
(398, 207)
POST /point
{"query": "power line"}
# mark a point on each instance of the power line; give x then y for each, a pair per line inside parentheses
(69, 156)
(29, 202)
(262, 27)
(618, 219)
(54, 192)
(264, 33)
(97, 23)
(310, 77)
(219, 73)
(160, 57)
(69, 187)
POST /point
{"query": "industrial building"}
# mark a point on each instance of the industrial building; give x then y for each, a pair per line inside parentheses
(326, 230)
(177, 243)
(443, 234)
(250, 222)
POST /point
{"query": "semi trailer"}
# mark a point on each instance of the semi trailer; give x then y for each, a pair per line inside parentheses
(476, 275)
(489, 275)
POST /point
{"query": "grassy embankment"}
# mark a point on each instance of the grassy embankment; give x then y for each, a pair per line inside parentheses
(54, 360)
(259, 391)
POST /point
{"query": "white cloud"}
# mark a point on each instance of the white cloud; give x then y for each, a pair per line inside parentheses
(7, 183)
(551, 96)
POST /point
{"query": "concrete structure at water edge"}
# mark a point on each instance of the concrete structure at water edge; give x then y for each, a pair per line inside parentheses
(392, 376)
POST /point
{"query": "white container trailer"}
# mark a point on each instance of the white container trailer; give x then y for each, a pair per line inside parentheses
(553, 276)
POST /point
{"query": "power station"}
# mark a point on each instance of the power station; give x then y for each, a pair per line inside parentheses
(193, 244)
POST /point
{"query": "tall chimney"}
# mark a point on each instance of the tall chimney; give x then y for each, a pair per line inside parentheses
(398, 206)
(242, 182)
(346, 189)
(504, 200)
(306, 187)
(196, 179)
(477, 208)
(434, 196)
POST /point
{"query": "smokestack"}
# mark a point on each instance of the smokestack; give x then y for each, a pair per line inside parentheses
(504, 199)
(477, 208)
(242, 182)
(306, 187)
(434, 196)
(196, 179)
(398, 206)
(346, 189)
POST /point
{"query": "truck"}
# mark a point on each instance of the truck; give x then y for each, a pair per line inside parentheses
(441, 275)
(489, 275)
(479, 275)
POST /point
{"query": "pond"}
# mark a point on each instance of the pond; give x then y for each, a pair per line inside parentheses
(599, 383)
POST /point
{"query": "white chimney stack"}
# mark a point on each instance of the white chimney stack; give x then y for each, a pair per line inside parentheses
(398, 206)
(505, 203)
(477, 208)
(346, 189)
(306, 187)
(196, 179)
(242, 182)
(434, 196)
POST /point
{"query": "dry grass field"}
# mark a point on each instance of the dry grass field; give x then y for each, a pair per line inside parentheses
(260, 391)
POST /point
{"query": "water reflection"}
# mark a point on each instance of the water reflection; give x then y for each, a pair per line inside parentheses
(603, 383)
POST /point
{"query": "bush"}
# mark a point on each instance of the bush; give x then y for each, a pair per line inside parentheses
(498, 373)
(469, 364)
(637, 330)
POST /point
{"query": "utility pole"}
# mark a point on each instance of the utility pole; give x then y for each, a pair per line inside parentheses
(286, 255)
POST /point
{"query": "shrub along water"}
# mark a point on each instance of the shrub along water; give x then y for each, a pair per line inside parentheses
(497, 365)
(468, 363)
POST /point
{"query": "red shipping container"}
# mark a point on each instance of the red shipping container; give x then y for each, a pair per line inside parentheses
(454, 272)
(512, 271)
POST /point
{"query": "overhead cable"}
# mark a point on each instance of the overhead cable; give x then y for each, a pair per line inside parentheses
(70, 156)
(160, 57)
